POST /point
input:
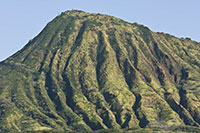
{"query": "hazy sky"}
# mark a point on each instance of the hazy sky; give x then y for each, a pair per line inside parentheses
(21, 20)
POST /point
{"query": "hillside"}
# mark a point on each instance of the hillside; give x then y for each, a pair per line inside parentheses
(91, 72)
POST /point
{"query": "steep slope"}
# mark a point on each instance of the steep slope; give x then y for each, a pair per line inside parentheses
(91, 71)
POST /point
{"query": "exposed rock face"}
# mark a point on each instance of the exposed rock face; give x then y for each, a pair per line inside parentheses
(90, 71)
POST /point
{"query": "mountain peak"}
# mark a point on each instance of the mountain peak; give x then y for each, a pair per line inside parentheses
(91, 72)
(74, 12)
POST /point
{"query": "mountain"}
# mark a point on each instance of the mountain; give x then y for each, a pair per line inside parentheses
(95, 72)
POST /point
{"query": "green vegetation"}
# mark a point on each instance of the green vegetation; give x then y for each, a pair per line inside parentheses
(91, 72)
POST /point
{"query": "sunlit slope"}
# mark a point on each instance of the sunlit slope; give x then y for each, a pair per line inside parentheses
(90, 71)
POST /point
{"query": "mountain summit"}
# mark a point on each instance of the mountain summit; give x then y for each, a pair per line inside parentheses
(91, 71)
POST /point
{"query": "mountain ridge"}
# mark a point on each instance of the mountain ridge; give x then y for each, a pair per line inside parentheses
(91, 71)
